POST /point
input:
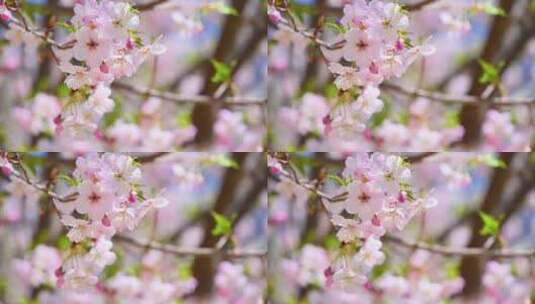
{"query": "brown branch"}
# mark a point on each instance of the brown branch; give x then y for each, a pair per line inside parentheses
(149, 5)
(311, 187)
(191, 99)
(204, 266)
(452, 99)
(472, 115)
(42, 188)
(472, 266)
(43, 36)
(419, 5)
(204, 116)
(191, 251)
(461, 251)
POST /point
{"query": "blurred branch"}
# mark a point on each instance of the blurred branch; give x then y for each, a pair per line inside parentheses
(461, 251)
(204, 115)
(472, 115)
(191, 251)
(452, 99)
(204, 266)
(472, 266)
(46, 188)
(149, 5)
(312, 187)
(418, 5)
(43, 36)
(23, 175)
(192, 99)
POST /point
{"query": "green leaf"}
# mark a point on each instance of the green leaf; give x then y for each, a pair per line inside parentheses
(111, 117)
(491, 226)
(491, 73)
(70, 28)
(332, 242)
(223, 226)
(491, 9)
(111, 270)
(63, 91)
(222, 72)
(224, 161)
(63, 243)
(340, 181)
(452, 119)
(492, 161)
(184, 271)
(452, 270)
(183, 119)
(330, 91)
(223, 8)
(336, 27)
(69, 180)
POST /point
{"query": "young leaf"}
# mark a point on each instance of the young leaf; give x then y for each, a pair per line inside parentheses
(223, 226)
(222, 72)
(225, 161)
(492, 161)
(491, 226)
(69, 180)
(491, 73)
(340, 181)
(491, 9)
(223, 8)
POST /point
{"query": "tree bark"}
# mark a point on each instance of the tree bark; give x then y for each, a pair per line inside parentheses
(204, 116)
(472, 266)
(472, 116)
(203, 266)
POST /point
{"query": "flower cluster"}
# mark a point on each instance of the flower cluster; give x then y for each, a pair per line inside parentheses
(501, 134)
(375, 47)
(234, 286)
(380, 198)
(236, 131)
(502, 286)
(107, 198)
(106, 45)
(423, 284)
(5, 14)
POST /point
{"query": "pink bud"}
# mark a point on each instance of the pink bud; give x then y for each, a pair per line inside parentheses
(59, 272)
(7, 170)
(376, 221)
(368, 134)
(399, 45)
(5, 16)
(130, 44)
(104, 68)
(401, 197)
(374, 68)
(274, 170)
(106, 222)
(274, 15)
(327, 122)
(58, 119)
(132, 197)
(58, 122)
(99, 135)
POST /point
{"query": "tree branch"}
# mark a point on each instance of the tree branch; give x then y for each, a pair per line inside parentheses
(461, 251)
(192, 99)
(464, 99)
(191, 251)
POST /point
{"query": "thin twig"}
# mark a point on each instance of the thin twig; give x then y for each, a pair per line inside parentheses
(192, 99)
(462, 251)
(462, 99)
(192, 251)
